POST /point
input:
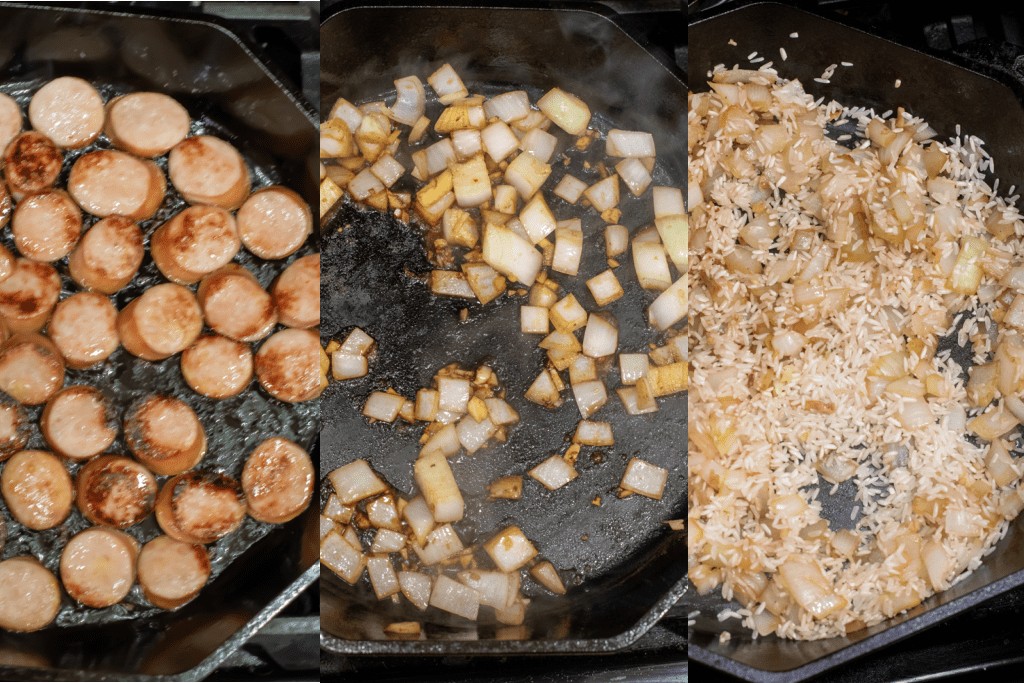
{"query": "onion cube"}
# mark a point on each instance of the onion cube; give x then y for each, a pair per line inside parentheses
(565, 110)
(582, 369)
(537, 218)
(631, 401)
(604, 194)
(496, 589)
(605, 287)
(387, 541)
(633, 366)
(567, 315)
(651, 265)
(364, 185)
(357, 343)
(506, 199)
(454, 393)
(447, 84)
(327, 525)
(590, 433)
(554, 473)
(344, 367)
(510, 549)
(570, 188)
(459, 228)
(387, 170)
(527, 174)
(514, 615)
(474, 434)
(441, 544)
(539, 143)
(382, 577)
(427, 404)
(635, 175)
(498, 141)
(670, 307)
(434, 477)
(568, 250)
(601, 337)
(546, 575)
(355, 481)
(629, 143)
(341, 558)
(508, 106)
(451, 596)
(383, 406)
(590, 397)
(416, 588)
(668, 201)
(616, 240)
(337, 511)
(501, 413)
(444, 441)
(511, 254)
(544, 392)
(471, 181)
(644, 478)
(533, 320)
(419, 518)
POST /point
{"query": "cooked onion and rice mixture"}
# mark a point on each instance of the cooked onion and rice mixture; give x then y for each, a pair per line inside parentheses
(822, 278)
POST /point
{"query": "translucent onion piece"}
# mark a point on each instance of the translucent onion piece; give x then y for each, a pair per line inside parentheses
(454, 394)
(554, 473)
(601, 337)
(568, 315)
(437, 484)
(651, 265)
(533, 320)
(635, 175)
(355, 481)
(668, 201)
(347, 112)
(447, 84)
(387, 170)
(644, 478)
(632, 366)
(605, 288)
(546, 575)
(616, 240)
(509, 106)
(568, 250)
(540, 144)
(341, 558)
(382, 577)
(537, 218)
(565, 110)
(526, 173)
(510, 549)
(590, 397)
(441, 544)
(419, 518)
(500, 412)
(590, 433)
(604, 194)
(629, 143)
(511, 255)
(387, 541)
(345, 367)
(410, 102)
(451, 596)
(570, 188)
(416, 588)
(364, 185)
(473, 434)
(670, 306)
(499, 141)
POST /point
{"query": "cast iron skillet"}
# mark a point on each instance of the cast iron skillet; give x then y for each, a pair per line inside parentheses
(259, 569)
(945, 95)
(624, 567)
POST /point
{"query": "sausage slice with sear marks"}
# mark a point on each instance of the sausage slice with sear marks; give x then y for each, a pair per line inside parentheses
(278, 481)
(164, 434)
(115, 491)
(172, 573)
(200, 506)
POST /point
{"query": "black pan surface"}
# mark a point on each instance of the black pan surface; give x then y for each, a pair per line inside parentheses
(622, 564)
(945, 95)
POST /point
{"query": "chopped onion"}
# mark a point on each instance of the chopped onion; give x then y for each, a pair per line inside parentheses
(590, 397)
(364, 185)
(674, 235)
(582, 369)
(635, 175)
(454, 394)
(473, 434)
(443, 441)
(337, 510)
(544, 392)
(499, 141)
(382, 513)
(459, 228)
(526, 173)
(590, 433)
(327, 525)
(915, 413)
(514, 615)
(629, 143)
(387, 541)
(670, 306)
(631, 402)
(451, 596)
(355, 481)
(441, 544)
(616, 240)
(419, 518)
(605, 287)
(438, 156)
(554, 473)
(633, 366)
(500, 412)
(344, 366)
(546, 575)
(506, 199)
(533, 320)
(565, 110)
(341, 558)
(383, 406)
(509, 106)
(964, 523)
(568, 250)
(804, 581)
(570, 188)
(668, 201)
(347, 112)
(601, 337)
(568, 315)
(467, 143)
(651, 265)
(387, 170)
(437, 483)
(471, 182)
(1000, 464)
(540, 144)
(485, 282)
(992, 424)
(511, 255)
(496, 589)
(410, 102)
(510, 549)
(644, 478)
(427, 401)
(788, 343)
(604, 194)
(416, 588)
(937, 563)
(447, 84)
(450, 283)
(382, 577)
(537, 218)
(506, 488)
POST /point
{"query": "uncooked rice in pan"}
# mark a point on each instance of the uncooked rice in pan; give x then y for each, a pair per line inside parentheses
(823, 276)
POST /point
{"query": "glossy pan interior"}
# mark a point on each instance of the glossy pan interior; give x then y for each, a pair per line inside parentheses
(258, 569)
(625, 568)
(945, 95)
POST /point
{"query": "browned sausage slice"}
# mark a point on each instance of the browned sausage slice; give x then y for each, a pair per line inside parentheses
(297, 293)
(68, 110)
(29, 595)
(115, 491)
(164, 321)
(200, 507)
(172, 573)
(46, 226)
(288, 366)
(78, 423)
(37, 489)
(11, 120)
(84, 328)
(28, 295)
(278, 481)
(165, 434)
(108, 182)
(97, 566)
(31, 164)
(15, 429)
(274, 222)
(31, 369)
(108, 255)
(146, 123)
(217, 367)
(208, 170)
(235, 305)
(194, 243)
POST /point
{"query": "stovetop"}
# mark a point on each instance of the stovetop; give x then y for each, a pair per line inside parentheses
(987, 640)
